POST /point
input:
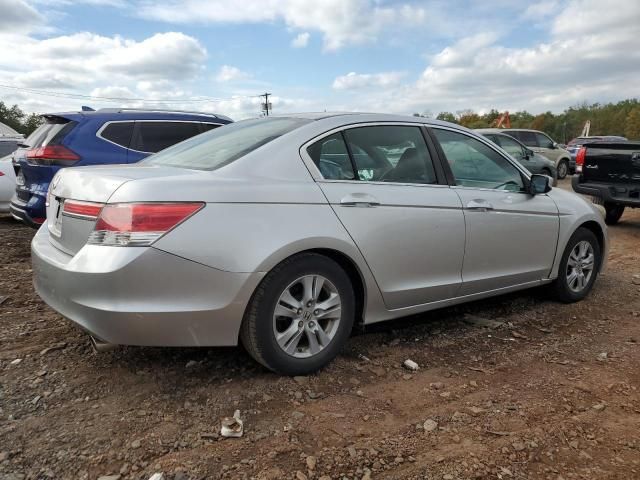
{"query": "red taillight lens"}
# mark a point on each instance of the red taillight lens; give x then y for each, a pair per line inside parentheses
(139, 224)
(82, 209)
(580, 156)
(52, 155)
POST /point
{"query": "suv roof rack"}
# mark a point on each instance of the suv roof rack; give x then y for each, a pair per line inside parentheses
(159, 110)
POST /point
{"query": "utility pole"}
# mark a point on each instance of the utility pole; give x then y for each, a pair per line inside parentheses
(266, 106)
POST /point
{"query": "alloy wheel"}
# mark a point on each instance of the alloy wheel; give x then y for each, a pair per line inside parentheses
(580, 266)
(307, 316)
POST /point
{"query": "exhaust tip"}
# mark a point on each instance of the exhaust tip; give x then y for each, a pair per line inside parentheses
(100, 345)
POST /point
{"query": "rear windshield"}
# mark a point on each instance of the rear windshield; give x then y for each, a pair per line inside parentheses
(50, 133)
(220, 147)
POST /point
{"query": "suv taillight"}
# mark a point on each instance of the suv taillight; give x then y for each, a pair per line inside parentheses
(57, 155)
(582, 153)
(138, 224)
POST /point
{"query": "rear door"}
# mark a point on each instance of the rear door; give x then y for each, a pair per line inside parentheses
(511, 236)
(151, 136)
(385, 188)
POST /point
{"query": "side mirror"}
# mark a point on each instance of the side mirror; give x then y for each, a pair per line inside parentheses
(539, 184)
(528, 153)
(554, 145)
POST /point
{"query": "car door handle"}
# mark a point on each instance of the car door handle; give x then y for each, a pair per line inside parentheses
(479, 205)
(359, 200)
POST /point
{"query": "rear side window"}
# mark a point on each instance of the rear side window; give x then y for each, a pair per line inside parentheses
(528, 138)
(155, 136)
(332, 158)
(385, 153)
(118, 133)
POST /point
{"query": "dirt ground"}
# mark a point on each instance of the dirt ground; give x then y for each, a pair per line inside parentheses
(549, 392)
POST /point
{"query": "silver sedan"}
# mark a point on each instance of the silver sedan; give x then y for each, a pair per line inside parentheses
(284, 232)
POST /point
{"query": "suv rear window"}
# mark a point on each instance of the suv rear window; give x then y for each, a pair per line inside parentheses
(155, 136)
(52, 132)
(220, 147)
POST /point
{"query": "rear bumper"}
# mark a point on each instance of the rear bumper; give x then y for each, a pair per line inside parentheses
(621, 194)
(20, 211)
(142, 296)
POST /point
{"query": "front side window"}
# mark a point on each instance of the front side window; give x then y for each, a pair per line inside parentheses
(512, 147)
(544, 141)
(475, 164)
(221, 146)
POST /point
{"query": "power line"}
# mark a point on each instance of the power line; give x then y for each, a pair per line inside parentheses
(121, 99)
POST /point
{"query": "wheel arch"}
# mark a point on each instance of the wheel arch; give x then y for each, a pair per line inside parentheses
(597, 230)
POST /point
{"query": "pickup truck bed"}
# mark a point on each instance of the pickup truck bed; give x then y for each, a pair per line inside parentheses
(610, 172)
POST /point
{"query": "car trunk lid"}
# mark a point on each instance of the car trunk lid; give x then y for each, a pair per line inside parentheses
(92, 186)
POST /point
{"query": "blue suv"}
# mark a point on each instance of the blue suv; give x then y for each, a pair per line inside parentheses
(105, 136)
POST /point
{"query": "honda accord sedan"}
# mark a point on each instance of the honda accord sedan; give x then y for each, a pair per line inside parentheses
(282, 233)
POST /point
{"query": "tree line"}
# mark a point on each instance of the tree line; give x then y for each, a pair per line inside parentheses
(20, 121)
(622, 118)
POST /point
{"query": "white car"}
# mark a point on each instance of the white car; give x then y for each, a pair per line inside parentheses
(7, 183)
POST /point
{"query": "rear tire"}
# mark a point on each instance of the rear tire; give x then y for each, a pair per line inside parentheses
(294, 330)
(575, 277)
(563, 169)
(613, 213)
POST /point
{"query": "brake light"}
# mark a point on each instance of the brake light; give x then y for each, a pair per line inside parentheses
(1, 173)
(57, 155)
(75, 208)
(139, 224)
(582, 153)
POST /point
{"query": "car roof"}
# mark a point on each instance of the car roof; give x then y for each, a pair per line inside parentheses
(141, 114)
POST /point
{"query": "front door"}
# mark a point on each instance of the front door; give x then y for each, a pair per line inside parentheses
(511, 236)
(382, 184)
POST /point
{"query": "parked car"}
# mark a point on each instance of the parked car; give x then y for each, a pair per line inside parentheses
(610, 173)
(541, 143)
(574, 145)
(7, 183)
(106, 136)
(9, 139)
(532, 161)
(283, 232)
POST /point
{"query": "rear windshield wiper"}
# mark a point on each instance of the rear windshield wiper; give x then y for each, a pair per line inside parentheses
(23, 145)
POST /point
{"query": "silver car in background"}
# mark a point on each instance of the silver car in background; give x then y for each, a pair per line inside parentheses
(283, 232)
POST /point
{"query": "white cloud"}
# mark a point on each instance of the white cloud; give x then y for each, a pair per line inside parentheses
(591, 54)
(18, 16)
(354, 80)
(341, 22)
(228, 73)
(541, 10)
(301, 40)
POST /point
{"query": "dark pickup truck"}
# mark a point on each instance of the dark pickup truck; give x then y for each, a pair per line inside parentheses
(609, 172)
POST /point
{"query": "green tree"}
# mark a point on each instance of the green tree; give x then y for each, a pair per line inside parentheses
(31, 122)
(11, 116)
(447, 117)
(632, 124)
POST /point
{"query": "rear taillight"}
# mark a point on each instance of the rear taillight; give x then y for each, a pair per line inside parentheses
(57, 155)
(138, 224)
(582, 153)
(88, 210)
(1, 174)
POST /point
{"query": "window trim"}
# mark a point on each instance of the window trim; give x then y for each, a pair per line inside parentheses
(106, 124)
(445, 163)
(318, 178)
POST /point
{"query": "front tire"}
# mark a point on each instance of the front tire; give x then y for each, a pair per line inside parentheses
(613, 212)
(300, 316)
(563, 169)
(579, 267)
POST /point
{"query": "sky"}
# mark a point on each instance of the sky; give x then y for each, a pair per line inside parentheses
(402, 56)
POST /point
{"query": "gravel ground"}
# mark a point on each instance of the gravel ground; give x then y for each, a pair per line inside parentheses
(545, 391)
